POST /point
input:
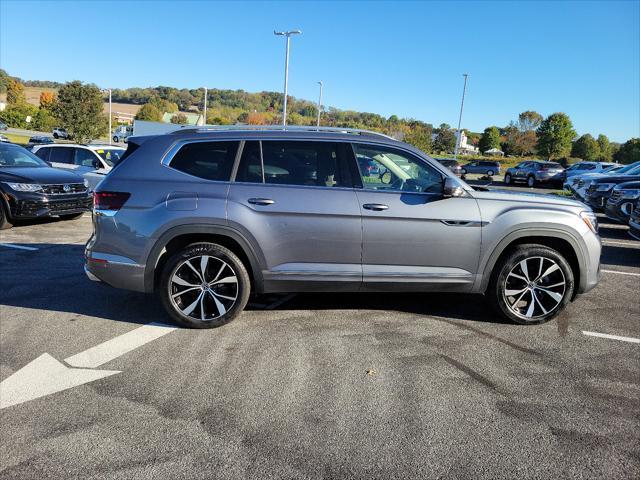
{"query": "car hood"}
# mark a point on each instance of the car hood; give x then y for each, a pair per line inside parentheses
(38, 175)
(616, 178)
(526, 197)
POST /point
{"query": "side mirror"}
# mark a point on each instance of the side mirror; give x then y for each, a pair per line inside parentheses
(452, 188)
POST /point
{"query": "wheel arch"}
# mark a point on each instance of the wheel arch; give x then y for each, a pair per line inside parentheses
(181, 236)
(561, 241)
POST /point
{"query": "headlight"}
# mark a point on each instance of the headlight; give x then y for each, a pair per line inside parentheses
(590, 219)
(25, 187)
(631, 194)
(86, 182)
(605, 187)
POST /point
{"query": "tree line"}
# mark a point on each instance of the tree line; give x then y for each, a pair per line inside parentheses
(76, 108)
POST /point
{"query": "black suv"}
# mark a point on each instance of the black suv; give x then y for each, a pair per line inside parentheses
(29, 188)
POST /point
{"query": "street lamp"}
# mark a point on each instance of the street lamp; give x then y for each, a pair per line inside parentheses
(286, 71)
(464, 90)
(319, 102)
(109, 90)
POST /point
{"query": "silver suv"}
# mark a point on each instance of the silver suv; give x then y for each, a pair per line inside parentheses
(204, 216)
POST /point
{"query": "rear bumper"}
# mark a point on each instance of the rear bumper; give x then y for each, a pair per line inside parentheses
(114, 270)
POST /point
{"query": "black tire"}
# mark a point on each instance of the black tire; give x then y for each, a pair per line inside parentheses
(55, 135)
(546, 305)
(463, 172)
(531, 181)
(72, 216)
(115, 139)
(211, 300)
(490, 173)
(507, 179)
(5, 224)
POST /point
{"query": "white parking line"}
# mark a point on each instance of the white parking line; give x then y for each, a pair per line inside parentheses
(19, 247)
(622, 273)
(611, 337)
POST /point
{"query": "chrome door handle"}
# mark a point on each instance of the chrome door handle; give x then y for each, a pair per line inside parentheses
(376, 207)
(261, 201)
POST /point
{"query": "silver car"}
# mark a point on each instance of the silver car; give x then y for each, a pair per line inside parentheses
(202, 217)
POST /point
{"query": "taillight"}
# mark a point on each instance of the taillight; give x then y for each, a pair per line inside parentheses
(109, 200)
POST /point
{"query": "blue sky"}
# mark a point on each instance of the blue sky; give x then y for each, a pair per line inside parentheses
(582, 58)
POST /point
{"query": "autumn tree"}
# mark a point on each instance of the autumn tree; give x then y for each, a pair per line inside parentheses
(47, 100)
(179, 119)
(15, 93)
(555, 134)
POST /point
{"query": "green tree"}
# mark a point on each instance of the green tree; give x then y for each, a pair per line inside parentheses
(179, 118)
(529, 121)
(149, 112)
(15, 93)
(555, 134)
(79, 108)
(420, 137)
(629, 152)
(490, 139)
(586, 148)
(605, 148)
(445, 140)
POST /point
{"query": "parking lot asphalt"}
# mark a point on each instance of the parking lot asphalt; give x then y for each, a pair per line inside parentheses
(315, 385)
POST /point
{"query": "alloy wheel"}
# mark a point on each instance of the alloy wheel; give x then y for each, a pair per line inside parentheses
(203, 288)
(534, 288)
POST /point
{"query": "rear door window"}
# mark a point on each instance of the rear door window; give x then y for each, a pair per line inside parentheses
(316, 164)
(208, 160)
(61, 155)
(43, 153)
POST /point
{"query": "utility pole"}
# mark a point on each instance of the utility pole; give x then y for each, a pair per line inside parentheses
(286, 72)
(319, 102)
(458, 133)
(110, 134)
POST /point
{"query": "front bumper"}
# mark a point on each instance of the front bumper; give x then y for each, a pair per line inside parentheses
(621, 211)
(634, 226)
(27, 205)
(597, 200)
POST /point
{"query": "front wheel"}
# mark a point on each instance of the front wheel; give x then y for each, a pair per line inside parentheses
(115, 139)
(490, 173)
(55, 135)
(507, 179)
(531, 182)
(532, 284)
(204, 285)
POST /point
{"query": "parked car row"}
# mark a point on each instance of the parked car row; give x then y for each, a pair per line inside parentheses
(535, 172)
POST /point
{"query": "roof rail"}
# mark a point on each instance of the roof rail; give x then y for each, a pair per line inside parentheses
(276, 128)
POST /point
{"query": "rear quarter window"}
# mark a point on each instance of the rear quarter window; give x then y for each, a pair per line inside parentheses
(208, 160)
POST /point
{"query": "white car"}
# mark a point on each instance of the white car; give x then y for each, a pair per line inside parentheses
(123, 132)
(60, 133)
(578, 184)
(581, 168)
(93, 162)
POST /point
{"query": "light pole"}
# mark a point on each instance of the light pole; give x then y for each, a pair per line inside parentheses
(286, 72)
(109, 90)
(464, 90)
(319, 102)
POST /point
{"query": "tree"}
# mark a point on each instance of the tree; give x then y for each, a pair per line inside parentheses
(445, 140)
(420, 137)
(490, 139)
(605, 148)
(79, 108)
(47, 100)
(554, 135)
(179, 118)
(629, 152)
(529, 121)
(149, 112)
(15, 93)
(586, 148)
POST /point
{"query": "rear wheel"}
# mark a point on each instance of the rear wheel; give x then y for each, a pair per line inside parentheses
(490, 173)
(463, 172)
(531, 181)
(55, 135)
(115, 139)
(507, 179)
(532, 284)
(4, 218)
(204, 286)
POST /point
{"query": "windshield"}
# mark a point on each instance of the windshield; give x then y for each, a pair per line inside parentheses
(110, 155)
(15, 156)
(628, 167)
